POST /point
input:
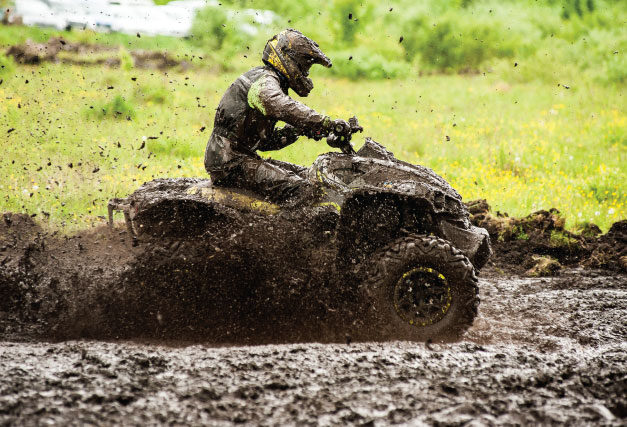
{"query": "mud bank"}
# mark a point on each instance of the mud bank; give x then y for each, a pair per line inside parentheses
(59, 50)
(539, 245)
(549, 351)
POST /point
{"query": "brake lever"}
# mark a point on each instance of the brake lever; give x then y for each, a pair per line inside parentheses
(334, 141)
(348, 149)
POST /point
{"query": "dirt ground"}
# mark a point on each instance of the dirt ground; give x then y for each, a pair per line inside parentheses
(550, 350)
(56, 49)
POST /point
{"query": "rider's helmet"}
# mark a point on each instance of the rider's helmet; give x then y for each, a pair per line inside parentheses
(292, 54)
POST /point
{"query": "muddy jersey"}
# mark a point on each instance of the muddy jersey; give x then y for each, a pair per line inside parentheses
(247, 115)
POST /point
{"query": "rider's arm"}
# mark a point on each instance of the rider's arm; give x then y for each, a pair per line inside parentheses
(280, 138)
(266, 96)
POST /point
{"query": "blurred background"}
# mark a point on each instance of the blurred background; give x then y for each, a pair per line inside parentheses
(519, 102)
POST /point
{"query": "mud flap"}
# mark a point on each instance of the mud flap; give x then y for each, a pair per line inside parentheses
(473, 242)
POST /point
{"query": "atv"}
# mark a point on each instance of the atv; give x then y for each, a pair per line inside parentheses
(398, 236)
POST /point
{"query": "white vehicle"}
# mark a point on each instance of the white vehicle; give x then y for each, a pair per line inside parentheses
(126, 16)
(39, 13)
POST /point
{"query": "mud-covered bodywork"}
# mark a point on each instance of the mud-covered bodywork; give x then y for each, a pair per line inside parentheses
(370, 198)
(418, 200)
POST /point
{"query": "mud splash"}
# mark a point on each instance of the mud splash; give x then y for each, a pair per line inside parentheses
(59, 50)
(542, 350)
(97, 285)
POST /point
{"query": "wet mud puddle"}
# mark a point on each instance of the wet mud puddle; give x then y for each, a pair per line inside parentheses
(542, 350)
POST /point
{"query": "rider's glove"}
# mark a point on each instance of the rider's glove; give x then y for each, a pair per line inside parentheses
(338, 127)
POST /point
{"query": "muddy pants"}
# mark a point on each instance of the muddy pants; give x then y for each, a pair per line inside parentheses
(275, 180)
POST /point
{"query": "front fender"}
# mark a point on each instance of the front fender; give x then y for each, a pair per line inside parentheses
(474, 242)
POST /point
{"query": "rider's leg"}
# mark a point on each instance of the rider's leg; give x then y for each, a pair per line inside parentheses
(275, 182)
(297, 169)
(273, 179)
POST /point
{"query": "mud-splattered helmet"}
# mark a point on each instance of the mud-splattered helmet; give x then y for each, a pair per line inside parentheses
(292, 54)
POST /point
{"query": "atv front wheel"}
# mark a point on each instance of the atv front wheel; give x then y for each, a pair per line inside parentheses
(418, 288)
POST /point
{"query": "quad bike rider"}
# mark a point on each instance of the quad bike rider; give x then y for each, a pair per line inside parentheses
(248, 112)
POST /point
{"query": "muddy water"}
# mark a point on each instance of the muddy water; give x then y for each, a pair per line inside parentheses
(542, 350)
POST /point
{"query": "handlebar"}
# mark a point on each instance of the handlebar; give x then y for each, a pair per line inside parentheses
(344, 142)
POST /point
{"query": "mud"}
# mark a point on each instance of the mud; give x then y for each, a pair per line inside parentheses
(549, 351)
(59, 50)
(526, 245)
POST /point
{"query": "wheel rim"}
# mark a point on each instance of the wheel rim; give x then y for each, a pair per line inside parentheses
(422, 296)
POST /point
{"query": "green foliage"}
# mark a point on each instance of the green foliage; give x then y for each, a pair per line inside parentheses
(614, 69)
(572, 8)
(152, 93)
(117, 108)
(209, 29)
(221, 32)
(518, 233)
(562, 154)
(452, 44)
(586, 229)
(552, 41)
(561, 239)
(179, 150)
(605, 191)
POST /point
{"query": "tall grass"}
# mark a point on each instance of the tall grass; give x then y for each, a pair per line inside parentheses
(536, 119)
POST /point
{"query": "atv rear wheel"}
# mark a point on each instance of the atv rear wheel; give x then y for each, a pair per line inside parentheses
(419, 288)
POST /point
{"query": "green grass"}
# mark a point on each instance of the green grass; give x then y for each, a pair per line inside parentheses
(523, 145)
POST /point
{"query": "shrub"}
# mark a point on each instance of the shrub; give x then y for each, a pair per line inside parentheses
(573, 8)
(218, 30)
(348, 17)
(454, 44)
(209, 29)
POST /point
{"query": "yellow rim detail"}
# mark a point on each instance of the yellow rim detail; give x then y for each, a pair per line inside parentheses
(433, 319)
